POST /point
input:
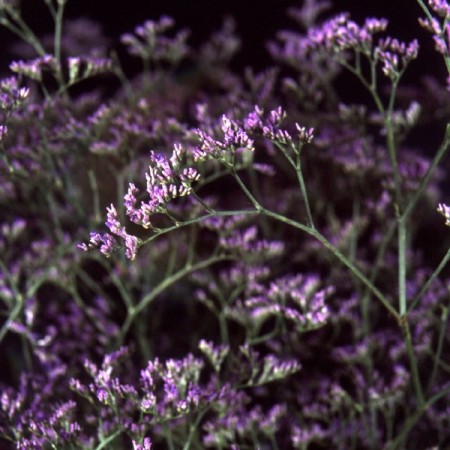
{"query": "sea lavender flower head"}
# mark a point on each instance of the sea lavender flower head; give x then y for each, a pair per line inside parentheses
(35, 68)
(12, 96)
(439, 27)
(145, 445)
(340, 33)
(222, 44)
(441, 7)
(266, 369)
(271, 128)
(150, 43)
(131, 242)
(167, 179)
(308, 14)
(235, 139)
(395, 55)
(81, 68)
(104, 242)
(215, 354)
(445, 211)
(296, 298)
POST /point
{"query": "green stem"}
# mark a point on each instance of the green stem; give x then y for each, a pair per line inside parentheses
(371, 87)
(312, 232)
(426, 178)
(205, 206)
(109, 439)
(224, 336)
(440, 346)
(11, 317)
(425, 9)
(338, 254)
(301, 182)
(413, 201)
(412, 420)
(413, 362)
(193, 429)
(96, 195)
(146, 300)
(248, 194)
(297, 166)
(387, 114)
(58, 34)
(120, 74)
(21, 29)
(402, 267)
(18, 300)
(197, 220)
(430, 280)
(391, 145)
(173, 256)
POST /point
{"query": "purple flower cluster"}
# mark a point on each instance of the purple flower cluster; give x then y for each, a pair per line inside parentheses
(332, 37)
(308, 309)
(277, 270)
(440, 31)
(167, 179)
(35, 68)
(150, 43)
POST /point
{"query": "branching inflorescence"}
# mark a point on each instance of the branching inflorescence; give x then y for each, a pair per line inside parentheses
(274, 276)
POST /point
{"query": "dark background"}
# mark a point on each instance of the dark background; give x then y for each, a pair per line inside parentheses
(257, 21)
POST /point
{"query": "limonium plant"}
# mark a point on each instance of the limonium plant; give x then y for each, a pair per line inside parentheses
(232, 260)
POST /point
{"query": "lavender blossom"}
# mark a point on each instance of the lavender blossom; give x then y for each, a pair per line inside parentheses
(445, 211)
(437, 25)
(279, 287)
(35, 68)
(149, 43)
(395, 55)
(234, 139)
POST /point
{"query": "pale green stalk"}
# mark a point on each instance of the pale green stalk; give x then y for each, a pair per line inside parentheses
(402, 215)
(301, 182)
(402, 267)
(328, 245)
(58, 18)
(440, 346)
(96, 195)
(133, 311)
(108, 440)
(398, 443)
(195, 220)
(430, 280)
(297, 166)
(21, 29)
(193, 428)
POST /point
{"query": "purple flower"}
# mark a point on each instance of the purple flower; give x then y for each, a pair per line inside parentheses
(81, 68)
(395, 55)
(145, 445)
(440, 31)
(150, 43)
(441, 7)
(35, 68)
(445, 211)
(107, 243)
(296, 298)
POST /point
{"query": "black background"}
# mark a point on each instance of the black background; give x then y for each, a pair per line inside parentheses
(257, 21)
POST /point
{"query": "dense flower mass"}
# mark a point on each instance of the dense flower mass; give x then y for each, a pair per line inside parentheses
(224, 260)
